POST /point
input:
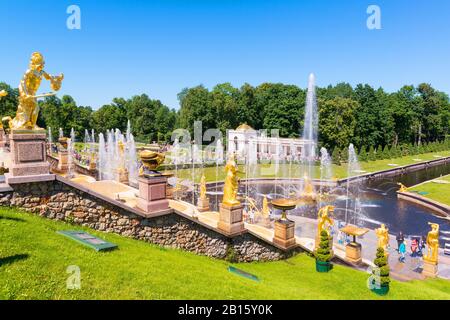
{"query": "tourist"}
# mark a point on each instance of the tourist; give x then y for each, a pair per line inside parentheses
(400, 238)
(422, 242)
(414, 247)
(252, 216)
(402, 251)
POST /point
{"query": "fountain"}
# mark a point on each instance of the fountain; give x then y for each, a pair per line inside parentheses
(352, 168)
(310, 129)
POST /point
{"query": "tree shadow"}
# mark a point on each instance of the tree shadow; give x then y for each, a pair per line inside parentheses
(13, 219)
(11, 259)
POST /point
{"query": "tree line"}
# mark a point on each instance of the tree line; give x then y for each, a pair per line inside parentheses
(362, 115)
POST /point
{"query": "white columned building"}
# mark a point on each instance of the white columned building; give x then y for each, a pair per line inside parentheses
(266, 147)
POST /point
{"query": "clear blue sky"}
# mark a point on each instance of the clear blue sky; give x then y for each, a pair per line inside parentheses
(159, 47)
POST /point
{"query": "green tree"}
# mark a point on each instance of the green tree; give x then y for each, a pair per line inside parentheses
(337, 122)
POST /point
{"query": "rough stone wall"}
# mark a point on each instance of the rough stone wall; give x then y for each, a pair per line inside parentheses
(56, 200)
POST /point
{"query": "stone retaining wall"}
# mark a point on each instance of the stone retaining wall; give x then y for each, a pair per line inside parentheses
(59, 201)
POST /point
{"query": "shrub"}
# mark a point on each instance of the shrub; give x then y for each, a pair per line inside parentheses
(381, 272)
(336, 157)
(362, 156)
(323, 253)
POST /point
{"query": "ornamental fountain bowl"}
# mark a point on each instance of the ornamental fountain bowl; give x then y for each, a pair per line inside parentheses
(151, 160)
(284, 203)
(63, 142)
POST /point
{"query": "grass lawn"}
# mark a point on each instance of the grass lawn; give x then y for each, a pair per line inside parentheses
(435, 191)
(339, 172)
(34, 258)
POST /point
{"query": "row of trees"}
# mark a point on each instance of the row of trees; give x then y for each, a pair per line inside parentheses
(364, 116)
(150, 120)
(365, 154)
(361, 115)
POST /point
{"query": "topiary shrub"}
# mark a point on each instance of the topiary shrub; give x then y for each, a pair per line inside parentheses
(323, 253)
(380, 274)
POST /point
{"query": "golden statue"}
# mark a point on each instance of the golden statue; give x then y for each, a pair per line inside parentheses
(28, 109)
(324, 219)
(432, 244)
(203, 187)
(151, 160)
(231, 186)
(265, 208)
(383, 237)
(403, 188)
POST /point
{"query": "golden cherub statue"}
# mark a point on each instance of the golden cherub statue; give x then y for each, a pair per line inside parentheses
(403, 188)
(28, 109)
(383, 237)
(203, 187)
(3, 93)
(432, 243)
(324, 219)
(231, 185)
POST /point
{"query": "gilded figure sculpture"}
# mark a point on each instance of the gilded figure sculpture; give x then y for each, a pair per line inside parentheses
(3, 93)
(383, 237)
(324, 219)
(403, 188)
(265, 208)
(203, 187)
(28, 109)
(432, 244)
(231, 186)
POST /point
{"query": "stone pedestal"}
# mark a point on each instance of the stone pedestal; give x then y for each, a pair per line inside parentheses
(28, 152)
(63, 160)
(203, 204)
(152, 194)
(430, 269)
(353, 252)
(284, 233)
(230, 218)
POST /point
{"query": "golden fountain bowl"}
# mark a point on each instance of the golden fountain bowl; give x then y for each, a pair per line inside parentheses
(284, 203)
(63, 142)
(151, 159)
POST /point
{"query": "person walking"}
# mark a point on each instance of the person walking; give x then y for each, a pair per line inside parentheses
(400, 238)
(402, 251)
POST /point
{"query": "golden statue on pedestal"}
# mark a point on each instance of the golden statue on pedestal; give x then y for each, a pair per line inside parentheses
(203, 187)
(324, 220)
(383, 237)
(28, 109)
(230, 188)
(432, 244)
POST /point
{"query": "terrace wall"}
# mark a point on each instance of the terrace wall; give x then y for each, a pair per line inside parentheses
(59, 201)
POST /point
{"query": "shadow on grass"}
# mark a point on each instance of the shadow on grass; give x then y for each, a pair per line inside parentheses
(12, 219)
(11, 259)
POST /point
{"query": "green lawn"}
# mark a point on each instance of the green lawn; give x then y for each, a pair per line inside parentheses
(34, 258)
(286, 170)
(435, 191)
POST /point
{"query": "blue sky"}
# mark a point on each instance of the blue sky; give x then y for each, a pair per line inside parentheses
(159, 47)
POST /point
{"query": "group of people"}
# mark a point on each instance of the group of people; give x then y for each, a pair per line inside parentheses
(416, 249)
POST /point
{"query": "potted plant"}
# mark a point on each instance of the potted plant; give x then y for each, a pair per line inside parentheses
(379, 280)
(323, 253)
